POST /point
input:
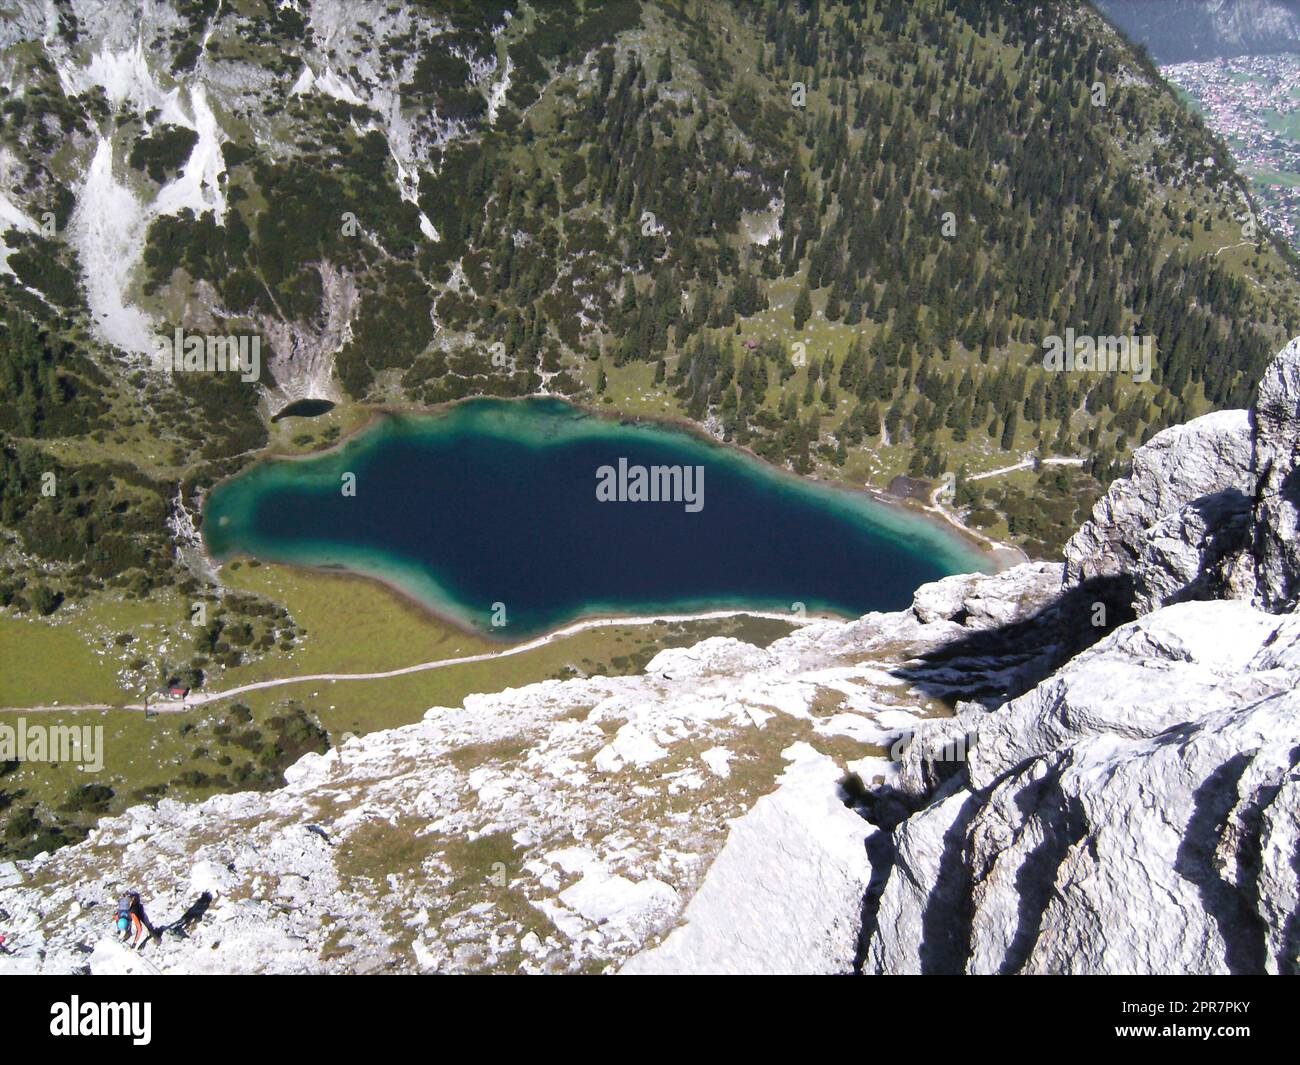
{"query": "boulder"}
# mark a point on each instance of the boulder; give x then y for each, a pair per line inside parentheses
(987, 601)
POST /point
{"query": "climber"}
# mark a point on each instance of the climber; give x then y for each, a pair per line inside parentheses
(132, 922)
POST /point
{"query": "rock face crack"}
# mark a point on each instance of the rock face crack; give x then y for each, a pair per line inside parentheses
(1241, 929)
(1063, 826)
(947, 918)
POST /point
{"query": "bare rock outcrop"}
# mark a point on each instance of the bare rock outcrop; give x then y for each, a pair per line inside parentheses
(1139, 809)
(1276, 424)
(1199, 552)
(302, 362)
(742, 923)
(1133, 814)
(980, 601)
(1175, 523)
(1210, 510)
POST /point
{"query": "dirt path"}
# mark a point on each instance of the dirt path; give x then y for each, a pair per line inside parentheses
(1007, 555)
(1026, 464)
(204, 698)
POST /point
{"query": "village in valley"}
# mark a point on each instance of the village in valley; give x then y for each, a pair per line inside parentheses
(1253, 102)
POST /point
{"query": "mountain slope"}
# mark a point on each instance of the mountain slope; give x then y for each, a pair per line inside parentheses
(1131, 806)
(1178, 31)
(836, 234)
(615, 200)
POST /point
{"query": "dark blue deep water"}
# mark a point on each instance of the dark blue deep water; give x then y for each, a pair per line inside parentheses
(495, 502)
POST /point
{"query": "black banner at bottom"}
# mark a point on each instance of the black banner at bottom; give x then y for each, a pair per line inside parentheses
(217, 1015)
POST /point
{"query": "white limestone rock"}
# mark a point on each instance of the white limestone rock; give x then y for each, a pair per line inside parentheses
(986, 601)
(1276, 420)
(1135, 813)
(113, 958)
(783, 895)
(1197, 553)
(1176, 467)
(1135, 683)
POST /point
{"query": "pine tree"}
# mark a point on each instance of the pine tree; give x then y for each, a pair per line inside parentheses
(871, 420)
(802, 308)
(1009, 431)
(665, 67)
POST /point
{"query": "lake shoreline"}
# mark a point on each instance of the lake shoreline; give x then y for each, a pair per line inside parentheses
(1000, 556)
(956, 548)
(428, 610)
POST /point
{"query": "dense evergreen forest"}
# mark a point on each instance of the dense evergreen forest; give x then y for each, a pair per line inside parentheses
(837, 234)
(954, 182)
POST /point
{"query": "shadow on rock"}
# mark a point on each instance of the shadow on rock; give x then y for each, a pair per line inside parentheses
(992, 666)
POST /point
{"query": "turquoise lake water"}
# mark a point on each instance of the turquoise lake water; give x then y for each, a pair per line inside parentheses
(489, 515)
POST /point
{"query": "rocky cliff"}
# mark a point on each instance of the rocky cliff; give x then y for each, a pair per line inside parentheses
(1136, 811)
(1117, 790)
